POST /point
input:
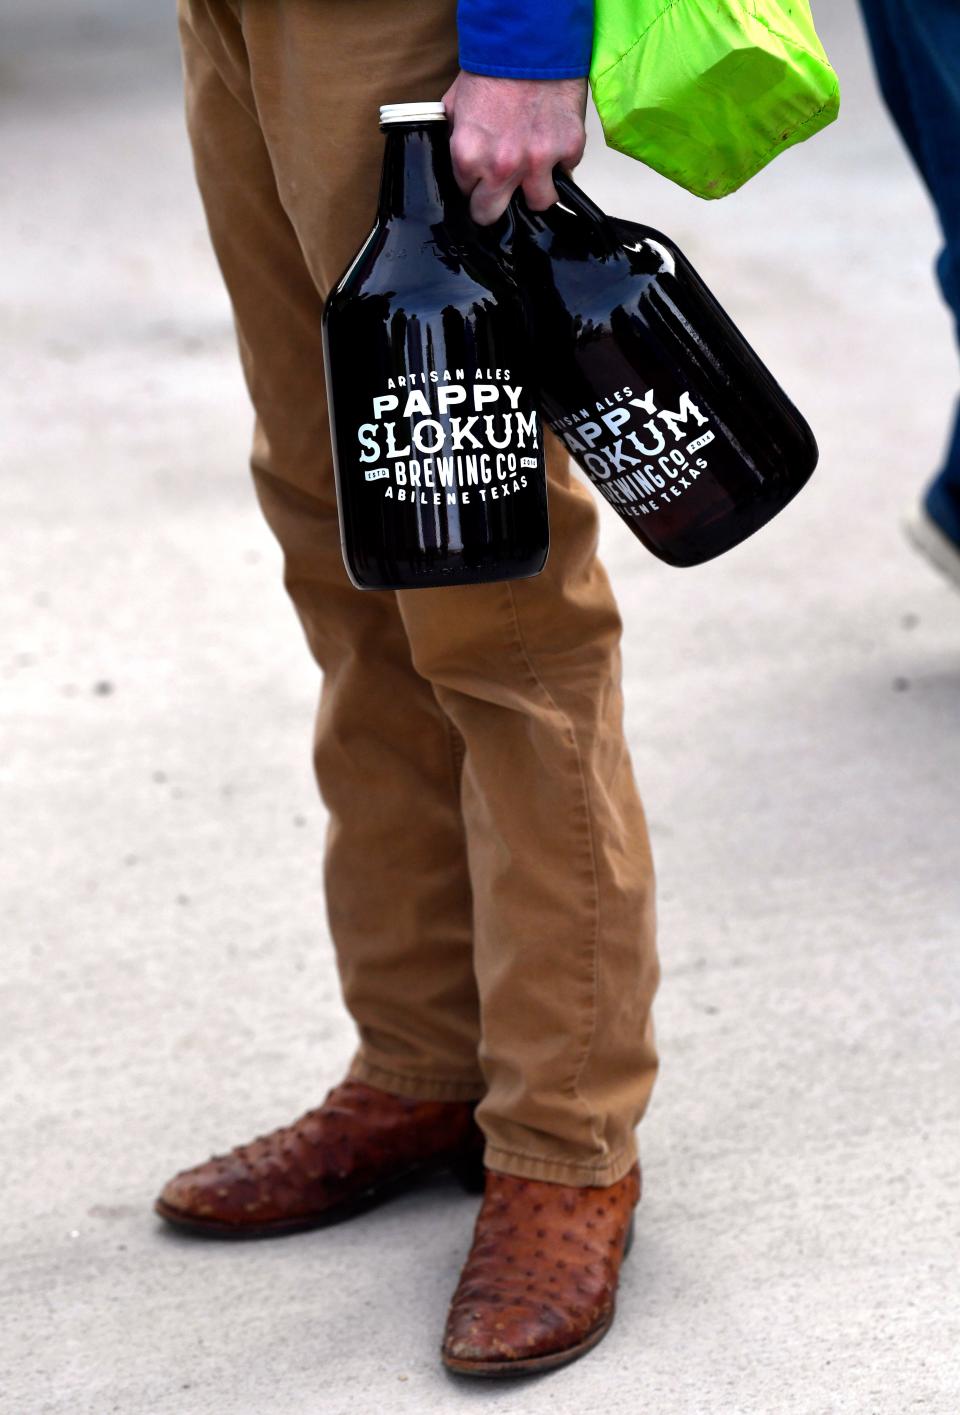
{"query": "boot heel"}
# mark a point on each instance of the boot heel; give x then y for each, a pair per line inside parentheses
(628, 1241)
(470, 1172)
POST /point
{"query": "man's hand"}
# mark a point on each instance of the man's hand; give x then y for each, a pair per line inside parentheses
(510, 133)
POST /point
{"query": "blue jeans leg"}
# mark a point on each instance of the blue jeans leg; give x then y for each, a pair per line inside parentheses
(916, 49)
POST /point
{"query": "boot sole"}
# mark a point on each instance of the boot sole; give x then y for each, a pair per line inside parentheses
(531, 1365)
(938, 549)
(468, 1172)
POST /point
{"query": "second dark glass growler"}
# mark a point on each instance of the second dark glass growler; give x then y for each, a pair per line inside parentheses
(436, 433)
(654, 390)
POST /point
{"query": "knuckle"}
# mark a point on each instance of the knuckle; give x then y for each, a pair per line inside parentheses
(464, 141)
(467, 173)
(503, 164)
(541, 158)
(465, 157)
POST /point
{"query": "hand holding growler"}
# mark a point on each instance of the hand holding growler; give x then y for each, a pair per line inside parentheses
(437, 441)
(651, 386)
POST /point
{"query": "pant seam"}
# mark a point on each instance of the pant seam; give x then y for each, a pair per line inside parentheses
(595, 942)
(457, 747)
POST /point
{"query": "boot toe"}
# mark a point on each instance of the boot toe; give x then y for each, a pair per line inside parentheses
(488, 1332)
(355, 1149)
(539, 1284)
(210, 1191)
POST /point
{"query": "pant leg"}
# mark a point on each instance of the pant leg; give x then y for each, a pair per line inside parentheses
(387, 758)
(564, 936)
(916, 49)
(529, 673)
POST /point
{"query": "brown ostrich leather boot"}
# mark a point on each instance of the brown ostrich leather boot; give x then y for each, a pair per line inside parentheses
(359, 1147)
(539, 1285)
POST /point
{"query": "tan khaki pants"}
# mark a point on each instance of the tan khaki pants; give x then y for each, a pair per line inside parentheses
(488, 874)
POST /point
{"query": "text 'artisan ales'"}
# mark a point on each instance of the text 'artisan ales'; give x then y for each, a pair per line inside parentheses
(652, 387)
(437, 441)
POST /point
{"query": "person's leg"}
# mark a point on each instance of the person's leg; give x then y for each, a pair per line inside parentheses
(527, 672)
(387, 757)
(916, 48)
(475, 767)
(881, 18)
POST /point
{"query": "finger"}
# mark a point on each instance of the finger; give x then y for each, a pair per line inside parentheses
(467, 168)
(489, 202)
(538, 189)
(572, 151)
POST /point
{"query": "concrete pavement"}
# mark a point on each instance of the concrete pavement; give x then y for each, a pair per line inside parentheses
(167, 981)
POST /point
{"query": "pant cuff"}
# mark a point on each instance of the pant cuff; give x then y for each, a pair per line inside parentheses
(558, 1171)
(416, 1087)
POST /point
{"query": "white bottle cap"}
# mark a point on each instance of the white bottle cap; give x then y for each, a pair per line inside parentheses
(412, 113)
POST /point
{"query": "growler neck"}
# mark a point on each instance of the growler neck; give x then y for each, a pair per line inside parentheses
(418, 182)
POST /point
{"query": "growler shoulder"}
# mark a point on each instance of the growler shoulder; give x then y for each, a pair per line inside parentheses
(650, 252)
(592, 297)
(590, 283)
(424, 268)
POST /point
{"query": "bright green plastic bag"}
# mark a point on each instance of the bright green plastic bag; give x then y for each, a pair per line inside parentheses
(709, 91)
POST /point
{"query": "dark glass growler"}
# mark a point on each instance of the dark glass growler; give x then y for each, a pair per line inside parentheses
(652, 387)
(437, 441)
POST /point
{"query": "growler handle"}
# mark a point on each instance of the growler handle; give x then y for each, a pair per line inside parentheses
(579, 203)
(502, 234)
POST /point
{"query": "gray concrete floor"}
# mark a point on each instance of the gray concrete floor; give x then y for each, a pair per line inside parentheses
(168, 985)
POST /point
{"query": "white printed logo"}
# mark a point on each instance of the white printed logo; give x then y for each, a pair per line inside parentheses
(466, 436)
(629, 458)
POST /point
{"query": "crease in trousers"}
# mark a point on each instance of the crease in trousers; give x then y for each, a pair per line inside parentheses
(487, 870)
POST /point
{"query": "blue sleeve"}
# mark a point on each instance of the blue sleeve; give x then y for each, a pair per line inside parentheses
(526, 39)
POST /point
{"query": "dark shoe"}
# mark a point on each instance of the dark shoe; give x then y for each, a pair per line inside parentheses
(359, 1147)
(539, 1286)
(933, 526)
(932, 538)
